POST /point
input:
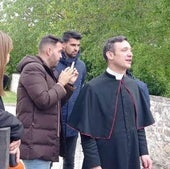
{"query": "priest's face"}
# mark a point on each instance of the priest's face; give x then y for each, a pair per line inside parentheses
(121, 59)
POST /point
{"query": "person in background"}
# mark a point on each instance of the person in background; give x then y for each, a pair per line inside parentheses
(39, 98)
(71, 54)
(143, 88)
(6, 118)
(110, 114)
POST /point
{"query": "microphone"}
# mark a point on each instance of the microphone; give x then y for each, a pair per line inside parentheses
(12, 160)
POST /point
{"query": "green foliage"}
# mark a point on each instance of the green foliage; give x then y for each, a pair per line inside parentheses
(9, 97)
(145, 23)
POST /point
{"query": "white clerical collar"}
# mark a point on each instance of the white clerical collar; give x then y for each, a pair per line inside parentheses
(117, 75)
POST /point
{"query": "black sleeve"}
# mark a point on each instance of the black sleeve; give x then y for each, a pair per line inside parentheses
(9, 120)
(91, 156)
(143, 150)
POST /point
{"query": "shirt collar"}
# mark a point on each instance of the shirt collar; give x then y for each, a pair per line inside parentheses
(117, 75)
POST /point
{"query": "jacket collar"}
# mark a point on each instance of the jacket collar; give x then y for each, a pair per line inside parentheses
(68, 60)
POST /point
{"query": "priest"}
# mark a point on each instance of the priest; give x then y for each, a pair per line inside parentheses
(111, 114)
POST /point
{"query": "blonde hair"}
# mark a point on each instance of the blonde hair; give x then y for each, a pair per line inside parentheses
(6, 46)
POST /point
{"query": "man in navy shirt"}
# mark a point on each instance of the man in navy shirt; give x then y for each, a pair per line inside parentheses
(71, 54)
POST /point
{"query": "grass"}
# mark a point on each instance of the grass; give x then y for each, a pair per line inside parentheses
(9, 97)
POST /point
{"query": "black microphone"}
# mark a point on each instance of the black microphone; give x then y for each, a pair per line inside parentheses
(12, 160)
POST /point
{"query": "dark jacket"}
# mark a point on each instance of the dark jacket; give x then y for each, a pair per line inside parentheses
(38, 107)
(68, 106)
(9, 120)
(111, 122)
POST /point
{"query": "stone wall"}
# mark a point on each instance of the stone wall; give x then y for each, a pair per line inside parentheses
(158, 135)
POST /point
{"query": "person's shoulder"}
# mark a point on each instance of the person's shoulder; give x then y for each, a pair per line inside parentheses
(81, 67)
(96, 81)
(141, 84)
(28, 62)
(34, 66)
(95, 85)
(81, 62)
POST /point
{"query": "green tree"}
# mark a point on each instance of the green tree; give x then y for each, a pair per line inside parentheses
(145, 23)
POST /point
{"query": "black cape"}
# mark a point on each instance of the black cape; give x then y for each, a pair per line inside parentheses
(95, 109)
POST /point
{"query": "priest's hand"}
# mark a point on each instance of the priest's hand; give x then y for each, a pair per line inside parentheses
(146, 162)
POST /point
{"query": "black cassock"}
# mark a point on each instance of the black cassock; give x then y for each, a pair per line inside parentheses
(111, 115)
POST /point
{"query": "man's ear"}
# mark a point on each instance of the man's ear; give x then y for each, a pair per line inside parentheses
(109, 55)
(64, 45)
(48, 51)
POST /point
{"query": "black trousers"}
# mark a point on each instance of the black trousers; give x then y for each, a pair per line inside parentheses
(68, 160)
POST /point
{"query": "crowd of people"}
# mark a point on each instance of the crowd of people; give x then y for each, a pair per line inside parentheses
(54, 104)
